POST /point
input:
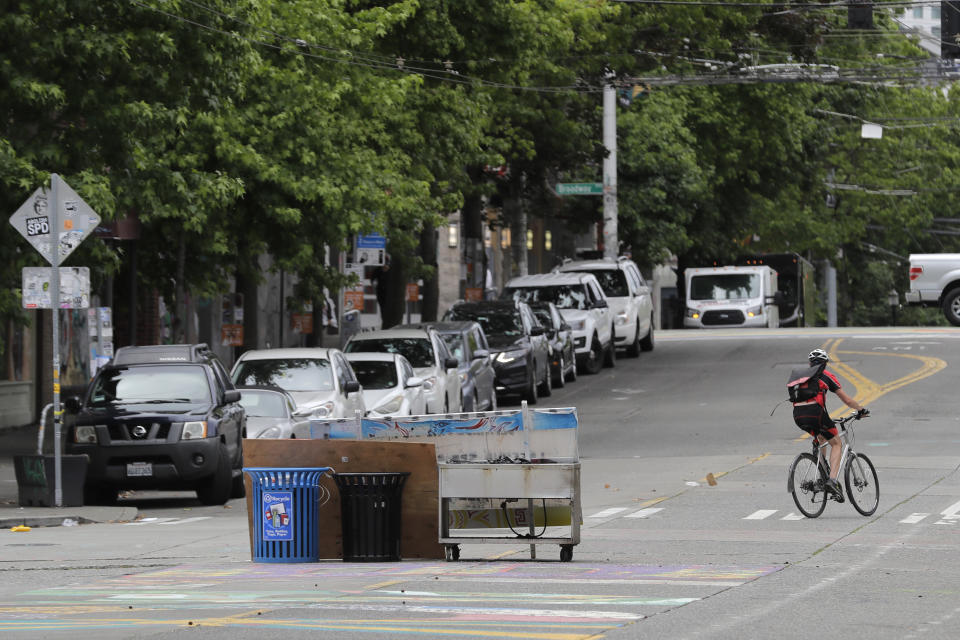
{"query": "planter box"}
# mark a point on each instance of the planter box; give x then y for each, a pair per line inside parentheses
(37, 483)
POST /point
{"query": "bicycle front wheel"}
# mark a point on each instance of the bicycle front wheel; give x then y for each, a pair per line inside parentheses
(805, 484)
(863, 487)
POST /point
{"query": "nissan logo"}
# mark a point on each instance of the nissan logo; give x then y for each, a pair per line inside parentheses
(139, 431)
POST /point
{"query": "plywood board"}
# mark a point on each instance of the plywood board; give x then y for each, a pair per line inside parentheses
(419, 534)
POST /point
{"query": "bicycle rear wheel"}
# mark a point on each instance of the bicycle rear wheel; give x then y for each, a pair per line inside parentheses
(863, 487)
(805, 484)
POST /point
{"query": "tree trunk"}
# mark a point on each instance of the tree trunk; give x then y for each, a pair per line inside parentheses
(179, 324)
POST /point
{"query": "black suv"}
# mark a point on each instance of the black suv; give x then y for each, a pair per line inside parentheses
(517, 342)
(160, 417)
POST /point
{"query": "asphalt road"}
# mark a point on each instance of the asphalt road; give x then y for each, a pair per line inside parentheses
(664, 553)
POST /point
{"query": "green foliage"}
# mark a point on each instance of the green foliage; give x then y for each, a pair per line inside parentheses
(232, 129)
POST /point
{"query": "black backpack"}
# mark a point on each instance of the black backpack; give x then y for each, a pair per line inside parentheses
(804, 383)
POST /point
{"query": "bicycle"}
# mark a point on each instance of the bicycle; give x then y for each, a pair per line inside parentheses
(809, 473)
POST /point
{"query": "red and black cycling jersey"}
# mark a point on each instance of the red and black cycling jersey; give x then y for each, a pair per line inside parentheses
(828, 382)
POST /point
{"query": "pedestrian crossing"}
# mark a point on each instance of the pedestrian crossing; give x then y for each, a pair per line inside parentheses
(949, 516)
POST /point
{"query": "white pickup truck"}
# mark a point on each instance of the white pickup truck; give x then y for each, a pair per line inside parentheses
(935, 281)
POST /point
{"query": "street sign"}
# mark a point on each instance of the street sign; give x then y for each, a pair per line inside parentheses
(55, 222)
(579, 189)
(371, 241)
(370, 250)
(74, 288)
(34, 221)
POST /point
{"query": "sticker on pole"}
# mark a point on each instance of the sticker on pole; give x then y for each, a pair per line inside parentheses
(34, 220)
(277, 510)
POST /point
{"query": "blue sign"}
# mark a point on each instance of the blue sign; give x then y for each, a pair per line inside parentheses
(277, 510)
(372, 241)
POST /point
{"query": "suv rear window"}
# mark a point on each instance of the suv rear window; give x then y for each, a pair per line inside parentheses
(494, 322)
(418, 351)
(161, 384)
(290, 374)
(563, 296)
(613, 282)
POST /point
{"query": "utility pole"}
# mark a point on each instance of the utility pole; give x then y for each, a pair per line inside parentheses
(611, 245)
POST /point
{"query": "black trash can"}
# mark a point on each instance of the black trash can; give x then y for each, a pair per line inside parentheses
(36, 479)
(370, 510)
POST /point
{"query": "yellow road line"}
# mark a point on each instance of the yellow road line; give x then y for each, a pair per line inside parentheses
(867, 389)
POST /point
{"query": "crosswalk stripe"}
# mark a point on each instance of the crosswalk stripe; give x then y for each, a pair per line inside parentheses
(761, 514)
(643, 513)
(951, 510)
(186, 520)
(140, 523)
(914, 518)
(793, 516)
(606, 513)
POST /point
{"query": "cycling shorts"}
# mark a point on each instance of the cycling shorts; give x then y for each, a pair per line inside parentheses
(815, 420)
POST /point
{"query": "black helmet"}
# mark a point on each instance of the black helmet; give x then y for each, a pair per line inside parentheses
(817, 356)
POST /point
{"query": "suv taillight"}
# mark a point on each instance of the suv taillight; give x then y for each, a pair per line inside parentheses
(915, 272)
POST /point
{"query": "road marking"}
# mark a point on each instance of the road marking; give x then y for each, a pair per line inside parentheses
(643, 513)
(186, 520)
(606, 513)
(140, 523)
(761, 514)
(914, 518)
(793, 516)
(952, 510)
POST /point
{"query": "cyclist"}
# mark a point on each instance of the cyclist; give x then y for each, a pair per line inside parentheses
(812, 417)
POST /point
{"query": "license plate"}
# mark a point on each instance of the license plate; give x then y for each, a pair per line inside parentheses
(139, 469)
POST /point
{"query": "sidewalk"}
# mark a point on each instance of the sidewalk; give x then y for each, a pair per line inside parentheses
(23, 441)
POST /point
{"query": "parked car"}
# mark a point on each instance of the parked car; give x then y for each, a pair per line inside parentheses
(428, 354)
(582, 304)
(160, 417)
(521, 361)
(563, 359)
(468, 344)
(629, 296)
(390, 385)
(270, 413)
(320, 381)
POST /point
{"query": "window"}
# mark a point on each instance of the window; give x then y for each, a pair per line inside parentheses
(454, 342)
(935, 13)
(152, 385)
(376, 374)
(564, 296)
(613, 282)
(918, 12)
(725, 286)
(418, 351)
(264, 404)
(294, 374)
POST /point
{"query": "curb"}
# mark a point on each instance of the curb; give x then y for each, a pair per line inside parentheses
(72, 518)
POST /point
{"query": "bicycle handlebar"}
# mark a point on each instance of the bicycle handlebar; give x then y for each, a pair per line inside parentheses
(862, 413)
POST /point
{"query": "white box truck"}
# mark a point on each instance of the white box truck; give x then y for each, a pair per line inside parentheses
(724, 297)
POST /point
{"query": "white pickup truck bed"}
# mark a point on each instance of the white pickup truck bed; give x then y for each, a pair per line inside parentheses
(935, 281)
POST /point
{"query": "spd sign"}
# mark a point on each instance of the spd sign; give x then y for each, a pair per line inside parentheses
(34, 220)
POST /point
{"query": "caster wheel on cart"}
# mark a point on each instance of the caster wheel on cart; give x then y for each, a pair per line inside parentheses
(566, 552)
(452, 552)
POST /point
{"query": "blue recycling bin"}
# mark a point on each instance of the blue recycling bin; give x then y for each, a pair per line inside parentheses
(285, 518)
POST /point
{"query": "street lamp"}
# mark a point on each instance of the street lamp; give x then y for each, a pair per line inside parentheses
(893, 299)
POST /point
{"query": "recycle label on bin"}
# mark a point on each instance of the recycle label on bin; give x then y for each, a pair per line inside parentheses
(277, 509)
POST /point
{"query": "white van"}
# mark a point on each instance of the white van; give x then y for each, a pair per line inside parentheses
(719, 297)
